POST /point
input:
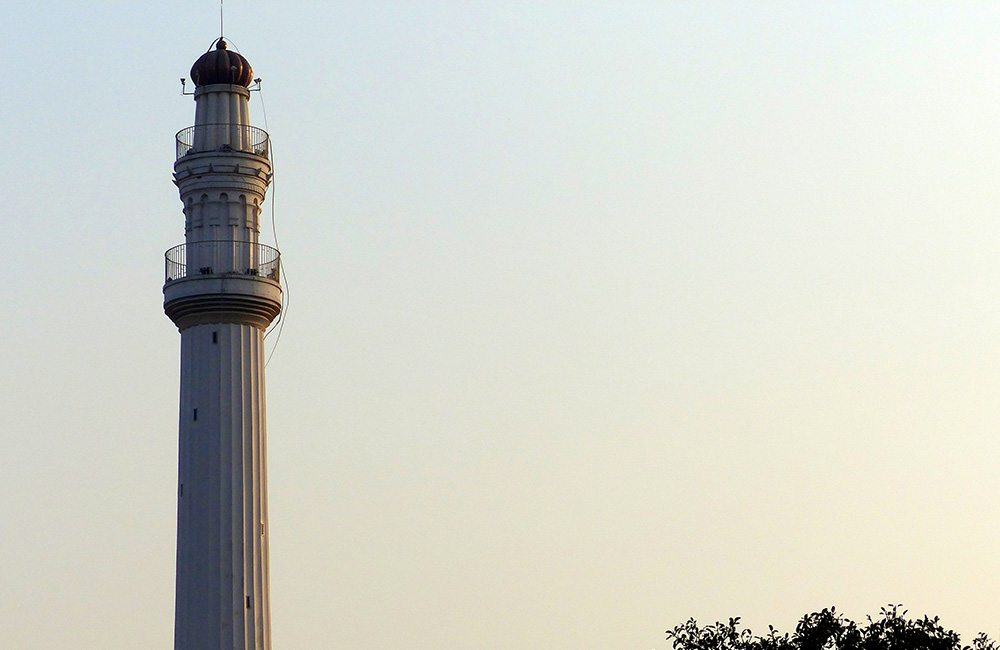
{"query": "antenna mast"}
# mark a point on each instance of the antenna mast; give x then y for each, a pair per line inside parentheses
(222, 23)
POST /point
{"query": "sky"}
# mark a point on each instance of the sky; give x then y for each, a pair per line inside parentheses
(601, 316)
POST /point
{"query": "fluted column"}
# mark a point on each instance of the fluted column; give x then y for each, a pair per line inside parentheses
(222, 572)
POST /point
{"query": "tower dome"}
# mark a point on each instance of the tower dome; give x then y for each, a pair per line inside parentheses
(220, 66)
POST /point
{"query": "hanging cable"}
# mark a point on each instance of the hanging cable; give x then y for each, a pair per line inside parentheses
(280, 323)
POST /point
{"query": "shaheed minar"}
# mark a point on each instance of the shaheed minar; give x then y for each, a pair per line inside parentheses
(222, 291)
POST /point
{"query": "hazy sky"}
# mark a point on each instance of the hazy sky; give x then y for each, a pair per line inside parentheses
(603, 315)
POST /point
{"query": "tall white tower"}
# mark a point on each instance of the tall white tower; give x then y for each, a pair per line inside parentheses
(222, 291)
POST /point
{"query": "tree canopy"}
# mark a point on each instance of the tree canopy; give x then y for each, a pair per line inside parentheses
(829, 630)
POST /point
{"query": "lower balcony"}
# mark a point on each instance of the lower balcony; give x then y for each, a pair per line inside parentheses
(222, 257)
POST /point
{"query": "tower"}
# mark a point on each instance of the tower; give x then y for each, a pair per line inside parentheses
(222, 291)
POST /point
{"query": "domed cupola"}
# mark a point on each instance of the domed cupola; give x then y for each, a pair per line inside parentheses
(220, 66)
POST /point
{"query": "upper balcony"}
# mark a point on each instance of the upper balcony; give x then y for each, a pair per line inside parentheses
(211, 138)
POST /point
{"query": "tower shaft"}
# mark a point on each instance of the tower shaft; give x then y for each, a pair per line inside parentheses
(222, 552)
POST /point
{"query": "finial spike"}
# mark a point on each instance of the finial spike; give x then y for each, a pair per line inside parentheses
(222, 21)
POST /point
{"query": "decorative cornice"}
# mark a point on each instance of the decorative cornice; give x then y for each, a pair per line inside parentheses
(220, 171)
(220, 183)
(208, 299)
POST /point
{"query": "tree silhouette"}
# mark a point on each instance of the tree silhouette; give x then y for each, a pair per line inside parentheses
(829, 630)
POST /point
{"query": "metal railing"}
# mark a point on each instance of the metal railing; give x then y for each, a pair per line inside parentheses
(222, 257)
(204, 138)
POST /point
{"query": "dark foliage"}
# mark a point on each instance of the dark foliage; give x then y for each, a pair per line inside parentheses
(829, 630)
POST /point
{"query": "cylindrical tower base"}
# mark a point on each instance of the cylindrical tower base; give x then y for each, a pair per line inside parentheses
(222, 560)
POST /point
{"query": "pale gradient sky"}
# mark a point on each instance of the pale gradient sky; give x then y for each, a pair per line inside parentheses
(603, 315)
